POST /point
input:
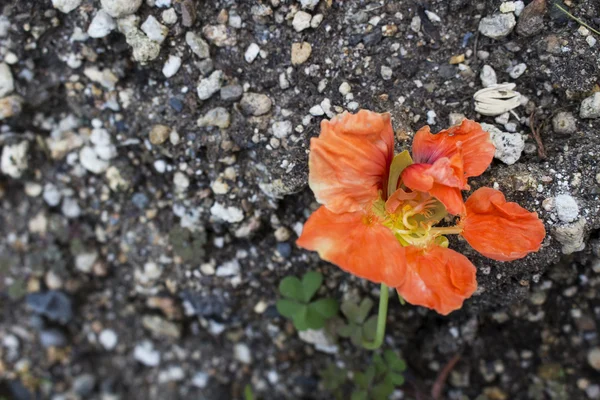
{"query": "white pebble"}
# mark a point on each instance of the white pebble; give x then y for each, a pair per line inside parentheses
(517, 70)
(301, 21)
(108, 338)
(566, 207)
(251, 53)
(154, 30)
(145, 354)
(171, 66)
(101, 25)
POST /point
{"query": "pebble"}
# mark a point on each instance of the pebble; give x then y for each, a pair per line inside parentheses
(102, 24)
(566, 207)
(229, 268)
(200, 380)
(571, 236)
(251, 53)
(108, 339)
(509, 146)
(320, 339)
(66, 6)
(415, 24)
(502, 118)
(53, 304)
(159, 134)
(301, 21)
(282, 129)
(70, 208)
(51, 195)
(386, 73)
(10, 106)
(84, 262)
(84, 384)
(517, 70)
(161, 327)
(7, 84)
(309, 4)
(171, 66)
(218, 117)
(456, 118)
(564, 123)
(120, 8)
(507, 7)
(316, 111)
(284, 249)
(219, 35)
(255, 104)
(531, 19)
(497, 26)
(345, 88)
(231, 92)
(209, 86)
(52, 337)
(488, 76)
(242, 353)
(181, 181)
(154, 29)
(300, 52)
(228, 214)
(144, 353)
(591, 41)
(169, 16)
(144, 49)
(90, 161)
(198, 45)
(316, 21)
(593, 358)
(590, 107)
(14, 159)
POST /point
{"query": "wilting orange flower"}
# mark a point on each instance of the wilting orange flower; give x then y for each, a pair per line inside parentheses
(379, 211)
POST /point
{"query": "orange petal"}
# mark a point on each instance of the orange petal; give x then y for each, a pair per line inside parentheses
(474, 143)
(356, 243)
(438, 278)
(441, 180)
(500, 230)
(349, 161)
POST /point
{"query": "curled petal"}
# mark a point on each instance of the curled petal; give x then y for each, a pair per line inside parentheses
(438, 278)
(474, 144)
(357, 243)
(349, 161)
(500, 230)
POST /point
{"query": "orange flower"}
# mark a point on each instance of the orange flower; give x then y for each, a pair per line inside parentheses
(444, 162)
(379, 212)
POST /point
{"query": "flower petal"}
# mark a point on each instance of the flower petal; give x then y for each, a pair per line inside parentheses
(500, 230)
(357, 243)
(438, 278)
(349, 161)
(473, 142)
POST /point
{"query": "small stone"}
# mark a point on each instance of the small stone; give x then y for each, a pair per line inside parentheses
(198, 45)
(14, 159)
(161, 327)
(345, 88)
(242, 353)
(229, 268)
(120, 8)
(591, 41)
(281, 129)
(566, 208)
(509, 146)
(10, 106)
(282, 234)
(386, 73)
(188, 13)
(316, 111)
(90, 160)
(53, 304)
(320, 339)
(218, 117)
(300, 52)
(145, 354)
(108, 339)
(144, 49)
(590, 107)
(255, 104)
(181, 181)
(159, 134)
(531, 20)
(66, 6)
(431, 117)
(301, 21)
(564, 123)
(231, 92)
(84, 262)
(219, 35)
(7, 84)
(52, 195)
(309, 4)
(200, 380)
(235, 21)
(52, 338)
(593, 358)
(571, 236)
(227, 214)
(316, 21)
(507, 7)
(171, 66)
(251, 53)
(517, 70)
(497, 26)
(70, 208)
(154, 29)
(209, 86)
(169, 16)
(84, 384)
(457, 59)
(101, 25)
(488, 76)
(415, 24)
(456, 118)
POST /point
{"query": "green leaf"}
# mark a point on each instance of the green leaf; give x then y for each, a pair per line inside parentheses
(382, 391)
(361, 380)
(300, 319)
(395, 362)
(248, 394)
(380, 366)
(396, 379)
(291, 287)
(314, 320)
(311, 282)
(350, 310)
(369, 329)
(399, 163)
(345, 331)
(327, 308)
(359, 395)
(370, 374)
(288, 308)
(363, 310)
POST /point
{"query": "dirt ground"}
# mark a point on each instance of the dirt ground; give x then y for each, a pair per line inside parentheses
(154, 180)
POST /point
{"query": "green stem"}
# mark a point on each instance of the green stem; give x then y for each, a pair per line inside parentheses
(381, 320)
(577, 19)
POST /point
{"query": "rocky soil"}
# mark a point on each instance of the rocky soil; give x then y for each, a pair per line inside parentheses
(154, 179)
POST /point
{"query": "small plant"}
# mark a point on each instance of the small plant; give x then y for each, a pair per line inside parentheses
(333, 377)
(296, 303)
(380, 378)
(248, 393)
(359, 328)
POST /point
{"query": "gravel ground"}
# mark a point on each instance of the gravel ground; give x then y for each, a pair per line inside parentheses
(154, 180)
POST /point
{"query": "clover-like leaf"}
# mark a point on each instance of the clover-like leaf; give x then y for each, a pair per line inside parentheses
(369, 329)
(350, 310)
(314, 319)
(333, 377)
(396, 379)
(382, 390)
(327, 308)
(292, 288)
(288, 308)
(300, 319)
(361, 380)
(359, 395)
(380, 365)
(394, 361)
(311, 282)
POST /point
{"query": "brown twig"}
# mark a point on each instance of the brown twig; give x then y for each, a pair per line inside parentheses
(538, 139)
(440, 381)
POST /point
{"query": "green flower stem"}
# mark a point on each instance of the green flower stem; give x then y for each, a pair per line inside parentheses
(577, 19)
(381, 320)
